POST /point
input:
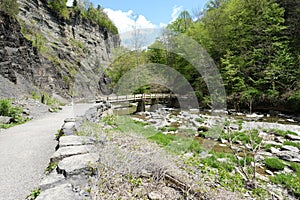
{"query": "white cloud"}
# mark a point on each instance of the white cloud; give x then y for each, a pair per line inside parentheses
(176, 11)
(162, 25)
(69, 3)
(127, 21)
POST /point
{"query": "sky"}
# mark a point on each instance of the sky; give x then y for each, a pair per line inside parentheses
(128, 14)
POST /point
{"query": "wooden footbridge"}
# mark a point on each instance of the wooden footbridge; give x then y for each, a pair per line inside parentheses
(170, 99)
(135, 97)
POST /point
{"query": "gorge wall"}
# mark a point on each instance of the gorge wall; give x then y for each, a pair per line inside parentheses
(41, 51)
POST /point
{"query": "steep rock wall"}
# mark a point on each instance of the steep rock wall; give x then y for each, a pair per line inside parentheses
(52, 54)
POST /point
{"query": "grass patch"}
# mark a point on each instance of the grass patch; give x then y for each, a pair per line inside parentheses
(162, 139)
(279, 132)
(274, 164)
(290, 181)
(294, 144)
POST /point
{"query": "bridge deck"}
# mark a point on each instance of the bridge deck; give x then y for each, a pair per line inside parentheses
(134, 97)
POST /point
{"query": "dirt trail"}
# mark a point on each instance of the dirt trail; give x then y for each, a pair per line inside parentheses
(25, 151)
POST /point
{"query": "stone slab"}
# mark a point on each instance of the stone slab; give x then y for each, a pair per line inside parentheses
(79, 164)
(73, 140)
(68, 151)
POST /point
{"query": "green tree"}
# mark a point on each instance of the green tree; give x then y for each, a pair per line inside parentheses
(182, 23)
(10, 6)
(60, 7)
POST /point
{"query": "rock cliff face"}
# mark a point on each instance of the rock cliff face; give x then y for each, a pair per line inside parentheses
(42, 51)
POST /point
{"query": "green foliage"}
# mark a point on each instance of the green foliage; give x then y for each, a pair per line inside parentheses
(60, 7)
(279, 132)
(249, 43)
(294, 144)
(10, 6)
(172, 129)
(162, 139)
(76, 43)
(51, 167)
(290, 181)
(274, 164)
(34, 194)
(15, 112)
(97, 15)
(109, 120)
(44, 98)
(294, 101)
(123, 61)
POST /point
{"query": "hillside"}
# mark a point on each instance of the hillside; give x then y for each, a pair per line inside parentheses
(42, 51)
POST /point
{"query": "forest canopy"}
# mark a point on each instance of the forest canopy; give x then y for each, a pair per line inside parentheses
(255, 45)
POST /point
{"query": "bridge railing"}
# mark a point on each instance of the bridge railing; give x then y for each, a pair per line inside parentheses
(135, 97)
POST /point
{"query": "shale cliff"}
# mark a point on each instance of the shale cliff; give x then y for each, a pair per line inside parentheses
(41, 51)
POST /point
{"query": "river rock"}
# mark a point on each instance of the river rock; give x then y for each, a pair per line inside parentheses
(68, 151)
(274, 150)
(289, 156)
(293, 137)
(78, 164)
(290, 148)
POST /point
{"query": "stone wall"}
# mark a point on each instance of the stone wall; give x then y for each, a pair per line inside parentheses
(76, 159)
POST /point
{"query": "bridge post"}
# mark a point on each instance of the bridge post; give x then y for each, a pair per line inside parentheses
(141, 107)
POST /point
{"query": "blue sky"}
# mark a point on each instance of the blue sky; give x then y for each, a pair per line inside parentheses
(146, 13)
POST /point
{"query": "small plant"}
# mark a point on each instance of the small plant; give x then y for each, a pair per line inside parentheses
(172, 129)
(34, 194)
(109, 120)
(51, 167)
(200, 120)
(15, 112)
(274, 164)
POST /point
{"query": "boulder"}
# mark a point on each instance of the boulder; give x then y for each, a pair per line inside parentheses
(78, 165)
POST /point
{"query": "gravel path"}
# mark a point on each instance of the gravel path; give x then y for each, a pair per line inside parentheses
(25, 151)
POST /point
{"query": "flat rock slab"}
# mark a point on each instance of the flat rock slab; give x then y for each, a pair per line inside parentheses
(290, 148)
(60, 192)
(73, 140)
(78, 164)
(293, 137)
(51, 180)
(68, 151)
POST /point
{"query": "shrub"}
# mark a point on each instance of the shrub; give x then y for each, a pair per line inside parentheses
(10, 6)
(7, 109)
(274, 164)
